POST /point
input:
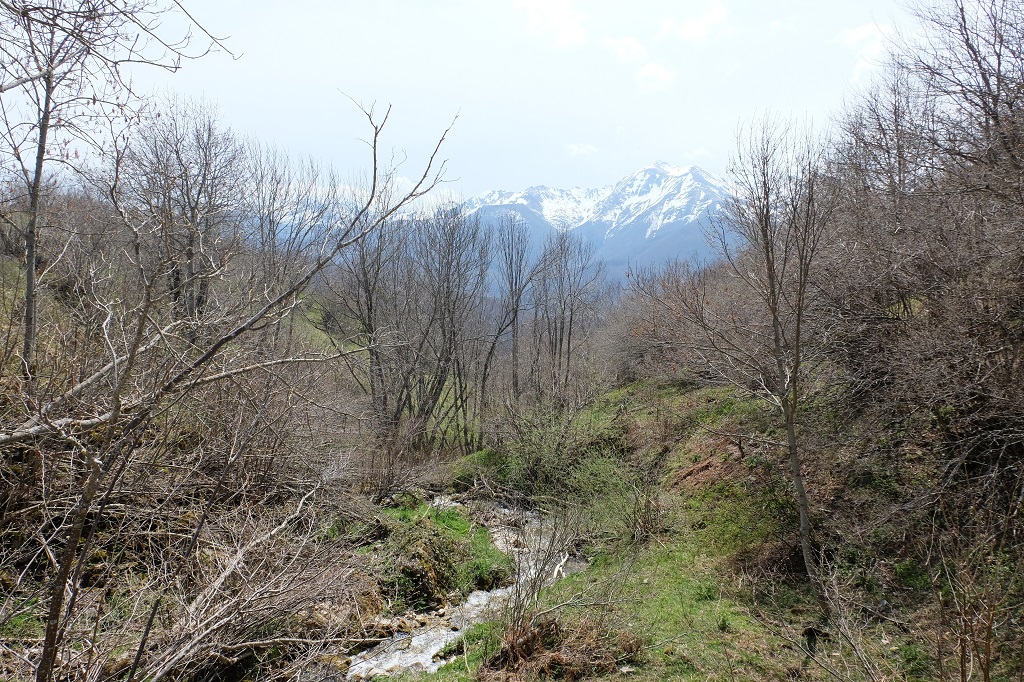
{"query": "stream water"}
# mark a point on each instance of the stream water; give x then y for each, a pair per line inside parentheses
(533, 546)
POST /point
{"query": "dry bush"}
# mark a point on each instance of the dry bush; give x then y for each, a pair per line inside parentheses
(553, 632)
(561, 649)
(170, 459)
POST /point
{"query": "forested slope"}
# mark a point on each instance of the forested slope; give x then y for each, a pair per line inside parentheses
(233, 383)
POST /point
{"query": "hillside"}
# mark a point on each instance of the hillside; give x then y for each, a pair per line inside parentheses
(261, 424)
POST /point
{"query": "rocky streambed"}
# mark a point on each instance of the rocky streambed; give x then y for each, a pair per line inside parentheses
(538, 556)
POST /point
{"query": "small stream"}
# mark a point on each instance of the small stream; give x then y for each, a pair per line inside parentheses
(531, 545)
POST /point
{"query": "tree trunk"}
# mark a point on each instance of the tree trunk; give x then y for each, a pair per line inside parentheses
(28, 360)
(795, 469)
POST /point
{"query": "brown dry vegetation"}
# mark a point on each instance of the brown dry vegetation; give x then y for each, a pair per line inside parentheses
(219, 365)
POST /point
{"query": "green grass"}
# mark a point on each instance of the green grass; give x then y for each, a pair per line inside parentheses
(680, 594)
(683, 598)
(466, 469)
(680, 604)
(450, 520)
(729, 518)
(312, 325)
(471, 650)
(455, 553)
(911, 574)
(487, 567)
(725, 404)
(23, 626)
(705, 406)
(680, 591)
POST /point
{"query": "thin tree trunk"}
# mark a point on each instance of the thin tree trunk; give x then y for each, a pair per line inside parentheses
(796, 472)
(28, 360)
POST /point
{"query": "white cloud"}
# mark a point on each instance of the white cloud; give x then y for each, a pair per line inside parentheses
(655, 77)
(695, 29)
(558, 18)
(627, 49)
(868, 40)
(580, 149)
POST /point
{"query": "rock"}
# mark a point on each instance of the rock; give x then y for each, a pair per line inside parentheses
(446, 502)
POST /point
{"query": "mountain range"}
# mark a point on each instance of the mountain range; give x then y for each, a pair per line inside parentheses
(656, 214)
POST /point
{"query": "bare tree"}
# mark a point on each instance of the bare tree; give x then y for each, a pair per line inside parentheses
(186, 170)
(60, 72)
(925, 271)
(513, 270)
(969, 63)
(747, 321)
(781, 215)
(108, 33)
(564, 296)
(151, 381)
(414, 297)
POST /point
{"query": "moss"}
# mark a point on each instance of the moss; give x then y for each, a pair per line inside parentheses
(911, 574)
(482, 636)
(466, 470)
(728, 518)
(422, 568)
(433, 556)
(487, 567)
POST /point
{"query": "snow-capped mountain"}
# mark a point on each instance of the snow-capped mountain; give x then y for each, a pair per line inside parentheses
(564, 209)
(649, 217)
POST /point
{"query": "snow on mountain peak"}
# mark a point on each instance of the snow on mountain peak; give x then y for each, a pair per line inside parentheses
(667, 168)
(659, 204)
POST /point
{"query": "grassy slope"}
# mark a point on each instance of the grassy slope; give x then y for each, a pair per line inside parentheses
(714, 594)
(680, 591)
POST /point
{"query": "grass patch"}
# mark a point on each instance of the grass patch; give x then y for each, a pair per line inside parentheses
(23, 626)
(728, 518)
(433, 556)
(911, 574)
(449, 520)
(676, 596)
(487, 567)
(466, 469)
(476, 644)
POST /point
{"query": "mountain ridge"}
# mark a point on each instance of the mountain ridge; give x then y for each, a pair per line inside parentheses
(648, 217)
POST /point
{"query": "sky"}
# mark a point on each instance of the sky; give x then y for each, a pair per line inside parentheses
(564, 93)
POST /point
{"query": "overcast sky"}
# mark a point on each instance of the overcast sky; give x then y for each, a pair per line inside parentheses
(556, 92)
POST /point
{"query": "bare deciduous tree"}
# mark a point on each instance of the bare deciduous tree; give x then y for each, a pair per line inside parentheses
(969, 63)
(173, 405)
(60, 72)
(748, 320)
(564, 297)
